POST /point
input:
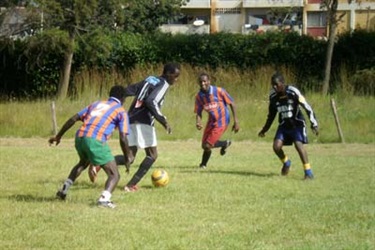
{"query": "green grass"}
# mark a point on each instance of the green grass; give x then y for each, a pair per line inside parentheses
(239, 202)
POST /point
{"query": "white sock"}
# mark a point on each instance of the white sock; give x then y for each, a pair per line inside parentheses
(67, 185)
(106, 196)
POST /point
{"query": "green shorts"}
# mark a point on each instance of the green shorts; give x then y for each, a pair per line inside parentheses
(98, 153)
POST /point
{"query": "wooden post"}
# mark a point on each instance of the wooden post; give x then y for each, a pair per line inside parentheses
(338, 126)
(54, 122)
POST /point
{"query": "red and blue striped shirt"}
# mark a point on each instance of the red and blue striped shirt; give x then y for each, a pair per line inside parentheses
(101, 118)
(215, 101)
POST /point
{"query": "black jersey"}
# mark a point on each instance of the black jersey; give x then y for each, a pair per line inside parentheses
(149, 97)
(288, 107)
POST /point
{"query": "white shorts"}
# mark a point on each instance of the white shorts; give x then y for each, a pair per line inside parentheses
(142, 135)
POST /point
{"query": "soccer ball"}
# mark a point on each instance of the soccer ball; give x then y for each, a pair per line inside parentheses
(160, 178)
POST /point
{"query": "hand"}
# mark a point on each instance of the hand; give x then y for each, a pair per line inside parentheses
(128, 162)
(315, 130)
(261, 134)
(168, 128)
(198, 126)
(54, 139)
(235, 127)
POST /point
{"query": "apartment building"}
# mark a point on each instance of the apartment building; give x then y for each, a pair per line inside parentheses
(256, 16)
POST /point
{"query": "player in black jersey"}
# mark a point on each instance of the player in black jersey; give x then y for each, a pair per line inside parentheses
(286, 100)
(145, 109)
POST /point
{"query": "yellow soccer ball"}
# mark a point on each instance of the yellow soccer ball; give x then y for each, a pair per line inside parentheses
(160, 178)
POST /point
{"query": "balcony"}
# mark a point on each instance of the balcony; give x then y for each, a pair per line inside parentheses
(272, 3)
(197, 4)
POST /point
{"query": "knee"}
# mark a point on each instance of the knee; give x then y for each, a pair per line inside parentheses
(206, 146)
(277, 147)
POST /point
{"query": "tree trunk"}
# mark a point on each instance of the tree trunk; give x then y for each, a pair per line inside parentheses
(332, 23)
(65, 71)
(331, 44)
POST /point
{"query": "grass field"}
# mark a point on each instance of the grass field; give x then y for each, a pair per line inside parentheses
(239, 202)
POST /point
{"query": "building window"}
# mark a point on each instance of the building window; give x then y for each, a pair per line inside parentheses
(316, 19)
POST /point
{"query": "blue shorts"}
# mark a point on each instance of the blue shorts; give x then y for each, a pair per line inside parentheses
(290, 135)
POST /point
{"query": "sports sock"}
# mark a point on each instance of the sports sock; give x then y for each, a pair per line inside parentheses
(285, 159)
(66, 186)
(142, 170)
(220, 144)
(205, 157)
(307, 169)
(106, 196)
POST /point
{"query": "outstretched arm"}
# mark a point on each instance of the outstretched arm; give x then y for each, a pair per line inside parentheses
(270, 117)
(68, 124)
(128, 155)
(310, 113)
(152, 103)
(198, 121)
(236, 126)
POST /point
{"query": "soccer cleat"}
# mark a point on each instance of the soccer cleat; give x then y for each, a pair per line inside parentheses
(108, 204)
(202, 166)
(286, 167)
(223, 149)
(60, 195)
(309, 177)
(131, 189)
(93, 173)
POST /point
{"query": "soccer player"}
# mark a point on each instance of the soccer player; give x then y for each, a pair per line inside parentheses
(146, 107)
(215, 101)
(99, 120)
(285, 100)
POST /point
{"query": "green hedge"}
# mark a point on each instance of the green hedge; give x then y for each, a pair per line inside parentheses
(30, 68)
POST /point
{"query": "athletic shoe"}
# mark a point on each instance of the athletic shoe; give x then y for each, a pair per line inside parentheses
(60, 195)
(286, 167)
(93, 173)
(108, 204)
(202, 166)
(131, 189)
(223, 149)
(309, 176)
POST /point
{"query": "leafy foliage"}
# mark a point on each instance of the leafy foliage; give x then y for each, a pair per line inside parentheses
(105, 50)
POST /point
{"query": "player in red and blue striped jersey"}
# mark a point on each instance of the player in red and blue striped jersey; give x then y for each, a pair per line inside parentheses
(215, 101)
(99, 121)
(286, 100)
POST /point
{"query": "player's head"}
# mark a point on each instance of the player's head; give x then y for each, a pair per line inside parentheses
(171, 72)
(204, 81)
(277, 82)
(118, 92)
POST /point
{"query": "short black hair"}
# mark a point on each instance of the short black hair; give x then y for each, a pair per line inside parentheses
(204, 74)
(171, 68)
(277, 77)
(117, 91)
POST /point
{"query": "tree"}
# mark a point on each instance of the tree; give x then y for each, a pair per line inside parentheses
(77, 16)
(332, 20)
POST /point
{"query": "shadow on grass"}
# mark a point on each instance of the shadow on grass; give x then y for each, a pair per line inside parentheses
(31, 198)
(190, 169)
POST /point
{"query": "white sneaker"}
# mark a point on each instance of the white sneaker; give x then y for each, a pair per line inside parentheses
(108, 204)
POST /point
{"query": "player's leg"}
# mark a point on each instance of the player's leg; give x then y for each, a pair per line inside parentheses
(206, 154)
(113, 177)
(73, 175)
(215, 135)
(281, 139)
(144, 137)
(207, 144)
(300, 140)
(146, 164)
